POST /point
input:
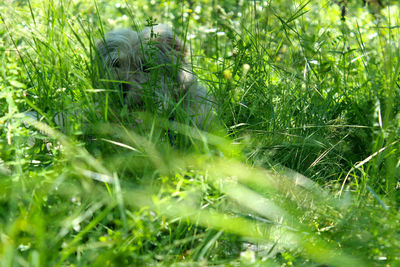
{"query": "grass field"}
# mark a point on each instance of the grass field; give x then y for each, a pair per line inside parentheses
(303, 170)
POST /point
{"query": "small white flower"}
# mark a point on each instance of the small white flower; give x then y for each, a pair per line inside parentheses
(246, 68)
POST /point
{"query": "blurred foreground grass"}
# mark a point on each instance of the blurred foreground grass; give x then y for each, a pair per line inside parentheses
(300, 93)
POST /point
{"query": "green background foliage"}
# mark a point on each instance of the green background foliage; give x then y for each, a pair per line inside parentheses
(303, 168)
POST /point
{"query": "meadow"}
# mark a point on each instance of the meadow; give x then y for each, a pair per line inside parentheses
(302, 168)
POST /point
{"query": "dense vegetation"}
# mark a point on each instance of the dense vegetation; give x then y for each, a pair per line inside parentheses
(303, 170)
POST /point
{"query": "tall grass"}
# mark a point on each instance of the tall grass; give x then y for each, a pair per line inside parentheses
(304, 171)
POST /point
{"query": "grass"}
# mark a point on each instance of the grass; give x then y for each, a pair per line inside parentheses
(303, 172)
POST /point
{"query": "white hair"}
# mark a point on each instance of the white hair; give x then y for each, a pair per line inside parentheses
(153, 62)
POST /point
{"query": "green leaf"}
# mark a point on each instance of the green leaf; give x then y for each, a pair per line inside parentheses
(18, 84)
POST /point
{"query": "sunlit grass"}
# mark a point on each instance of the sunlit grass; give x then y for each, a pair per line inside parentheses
(302, 168)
